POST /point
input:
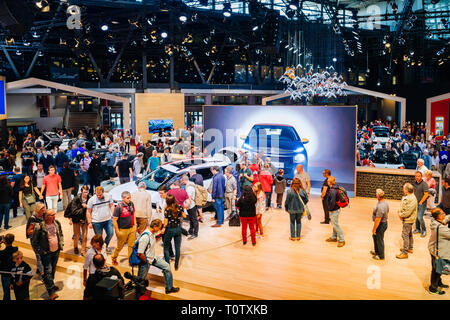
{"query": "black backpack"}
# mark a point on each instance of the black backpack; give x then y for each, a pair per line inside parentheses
(234, 220)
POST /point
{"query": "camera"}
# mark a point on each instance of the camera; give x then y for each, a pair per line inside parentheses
(135, 288)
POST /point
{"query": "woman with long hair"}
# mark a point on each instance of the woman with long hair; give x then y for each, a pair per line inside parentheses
(296, 200)
(260, 207)
(76, 212)
(27, 199)
(247, 213)
(172, 228)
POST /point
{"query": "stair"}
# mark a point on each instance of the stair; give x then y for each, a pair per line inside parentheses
(79, 120)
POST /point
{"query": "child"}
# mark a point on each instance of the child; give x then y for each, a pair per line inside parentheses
(280, 187)
(21, 280)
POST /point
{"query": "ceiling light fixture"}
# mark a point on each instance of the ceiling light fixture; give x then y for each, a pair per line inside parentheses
(226, 9)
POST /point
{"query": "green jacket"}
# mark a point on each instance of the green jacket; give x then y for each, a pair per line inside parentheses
(293, 203)
(39, 241)
(408, 208)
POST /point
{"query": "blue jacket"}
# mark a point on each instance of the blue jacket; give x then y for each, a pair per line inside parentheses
(332, 197)
(236, 175)
(218, 186)
(60, 158)
(427, 161)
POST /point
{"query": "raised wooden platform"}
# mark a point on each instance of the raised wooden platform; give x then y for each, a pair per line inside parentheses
(217, 266)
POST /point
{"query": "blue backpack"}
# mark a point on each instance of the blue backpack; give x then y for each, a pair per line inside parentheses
(134, 259)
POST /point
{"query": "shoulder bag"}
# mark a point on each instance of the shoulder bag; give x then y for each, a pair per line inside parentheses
(306, 209)
(442, 266)
(30, 199)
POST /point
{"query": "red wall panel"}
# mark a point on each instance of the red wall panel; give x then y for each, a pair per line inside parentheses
(440, 109)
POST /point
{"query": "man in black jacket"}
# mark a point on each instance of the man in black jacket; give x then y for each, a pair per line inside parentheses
(95, 292)
(67, 184)
(94, 172)
(335, 210)
(6, 263)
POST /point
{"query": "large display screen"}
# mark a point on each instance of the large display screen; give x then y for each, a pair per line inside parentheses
(2, 100)
(156, 125)
(316, 136)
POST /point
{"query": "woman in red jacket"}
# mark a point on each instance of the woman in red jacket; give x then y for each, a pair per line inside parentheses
(266, 180)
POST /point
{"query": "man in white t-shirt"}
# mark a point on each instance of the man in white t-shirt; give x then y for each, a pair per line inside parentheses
(99, 215)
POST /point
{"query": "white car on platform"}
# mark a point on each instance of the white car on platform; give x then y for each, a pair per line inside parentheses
(168, 173)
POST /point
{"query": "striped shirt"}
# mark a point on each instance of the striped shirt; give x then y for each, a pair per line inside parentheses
(101, 210)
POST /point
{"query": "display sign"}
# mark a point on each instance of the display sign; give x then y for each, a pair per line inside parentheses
(106, 116)
(318, 137)
(439, 126)
(156, 125)
(3, 114)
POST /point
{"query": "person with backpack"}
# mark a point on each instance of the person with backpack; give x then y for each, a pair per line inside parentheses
(172, 228)
(124, 222)
(247, 213)
(295, 205)
(332, 197)
(76, 213)
(230, 191)
(192, 208)
(145, 249)
(143, 206)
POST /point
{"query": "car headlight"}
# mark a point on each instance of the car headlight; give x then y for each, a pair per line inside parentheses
(300, 158)
(299, 150)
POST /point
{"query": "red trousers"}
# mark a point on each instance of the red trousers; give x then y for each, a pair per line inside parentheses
(251, 222)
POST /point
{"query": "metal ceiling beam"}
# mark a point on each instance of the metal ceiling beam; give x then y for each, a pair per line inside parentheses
(97, 69)
(116, 61)
(11, 62)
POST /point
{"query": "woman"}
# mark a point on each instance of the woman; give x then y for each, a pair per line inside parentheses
(97, 247)
(379, 217)
(431, 188)
(172, 228)
(296, 200)
(76, 212)
(27, 199)
(260, 207)
(6, 197)
(435, 161)
(138, 140)
(266, 179)
(127, 140)
(247, 213)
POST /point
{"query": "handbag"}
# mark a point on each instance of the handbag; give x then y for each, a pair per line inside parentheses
(306, 211)
(30, 199)
(442, 266)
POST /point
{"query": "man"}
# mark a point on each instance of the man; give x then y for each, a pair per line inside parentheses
(444, 156)
(427, 159)
(153, 162)
(15, 184)
(99, 215)
(27, 161)
(67, 184)
(245, 176)
(52, 183)
(377, 146)
(408, 215)
(198, 180)
(124, 170)
(124, 223)
(39, 143)
(445, 201)
(38, 178)
(335, 210)
(147, 254)
(94, 292)
(217, 194)
(137, 168)
(166, 157)
(326, 173)
(143, 205)
(192, 208)
(421, 193)
(94, 172)
(180, 195)
(36, 218)
(47, 160)
(6, 263)
(304, 178)
(111, 162)
(421, 167)
(84, 168)
(60, 159)
(230, 191)
(438, 221)
(48, 239)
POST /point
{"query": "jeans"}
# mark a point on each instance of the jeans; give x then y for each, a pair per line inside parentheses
(174, 233)
(193, 221)
(435, 280)
(420, 222)
(4, 213)
(160, 263)
(49, 261)
(105, 225)
(378, 239)
(6, 283)
(39, 264)
(251, 222)
(67, 197)
(52, 202)
(268, 198)
(296, 220)
(83, 177)
(407, 236)
(218, 206)
(337, 232)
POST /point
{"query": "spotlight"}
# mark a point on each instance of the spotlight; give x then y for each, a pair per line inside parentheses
(255, 28)
(183, 17)
(387, 45)
(18, 53)
(104, 27)
(35, 35)
(293, 5)
(334, 59)
(411, 53)
(43, 5)
(9, 40)
(164, 34)
(226, 9)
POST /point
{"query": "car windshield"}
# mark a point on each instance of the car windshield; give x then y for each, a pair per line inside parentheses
(386, 156)
(156, 178)
(381, 133)
(273, 132)
(52, 135)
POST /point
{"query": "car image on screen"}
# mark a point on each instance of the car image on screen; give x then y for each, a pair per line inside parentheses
(281, 143)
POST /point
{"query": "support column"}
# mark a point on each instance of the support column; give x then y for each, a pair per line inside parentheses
(126, 114)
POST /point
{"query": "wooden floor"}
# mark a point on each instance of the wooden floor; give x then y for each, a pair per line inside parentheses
(217, 266)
